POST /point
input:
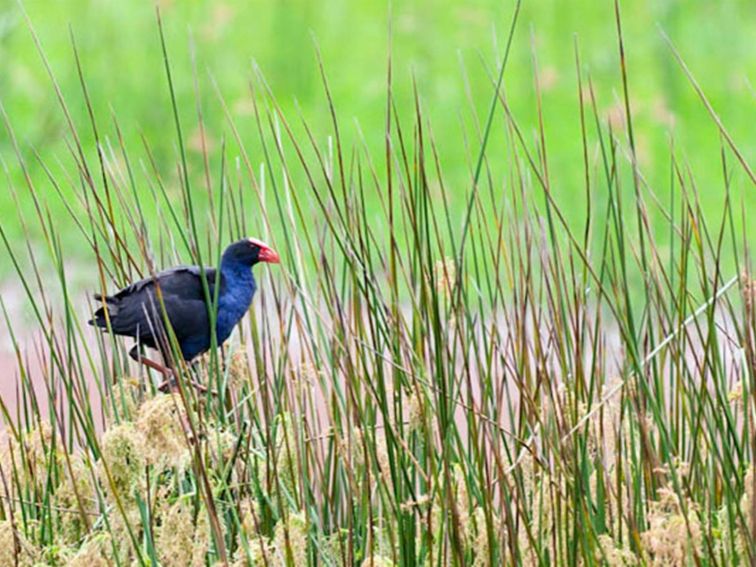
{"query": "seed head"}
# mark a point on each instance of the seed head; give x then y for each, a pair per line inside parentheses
(15, 549)
(748, 285)
(122, 452)
(160, 422)
(610, 554)
(671, 538)
(417, 408)
(445, 276)
(377, 561)
(238, 369)
(75, 496)
(175, 536)
(478, 540)
(290, 537)
(94, 552)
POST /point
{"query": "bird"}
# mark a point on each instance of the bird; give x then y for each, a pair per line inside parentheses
(136, 310)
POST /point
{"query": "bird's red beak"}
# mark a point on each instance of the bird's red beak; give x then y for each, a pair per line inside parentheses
(268, 255)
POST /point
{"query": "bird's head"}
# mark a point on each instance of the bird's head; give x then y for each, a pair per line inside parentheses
(249, 251)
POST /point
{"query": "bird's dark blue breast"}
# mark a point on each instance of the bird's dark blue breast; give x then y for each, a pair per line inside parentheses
(234, 299)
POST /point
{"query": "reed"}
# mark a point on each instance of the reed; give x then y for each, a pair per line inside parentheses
(426, 380)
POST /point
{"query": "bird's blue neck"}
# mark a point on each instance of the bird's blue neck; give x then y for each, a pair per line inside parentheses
(235, 296)
(236, 271)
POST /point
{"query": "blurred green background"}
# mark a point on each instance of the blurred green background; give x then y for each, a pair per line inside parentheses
(443, 43)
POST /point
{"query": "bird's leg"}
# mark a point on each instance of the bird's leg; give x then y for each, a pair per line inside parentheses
(136, 354)
(169, 384)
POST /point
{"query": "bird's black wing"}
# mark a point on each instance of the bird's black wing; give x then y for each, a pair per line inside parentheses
(135, 310)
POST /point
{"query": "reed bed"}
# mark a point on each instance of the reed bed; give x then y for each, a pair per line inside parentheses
(476, 376)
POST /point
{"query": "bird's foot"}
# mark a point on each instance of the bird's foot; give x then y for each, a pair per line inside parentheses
(170, 385)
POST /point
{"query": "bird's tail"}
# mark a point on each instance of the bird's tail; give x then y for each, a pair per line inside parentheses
(98, 317)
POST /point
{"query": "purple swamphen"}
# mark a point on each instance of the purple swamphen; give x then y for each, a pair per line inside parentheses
(135, 310)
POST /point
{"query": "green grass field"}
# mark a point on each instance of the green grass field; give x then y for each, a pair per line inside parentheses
(450, 56)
